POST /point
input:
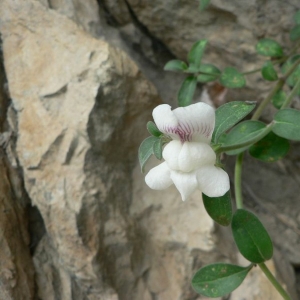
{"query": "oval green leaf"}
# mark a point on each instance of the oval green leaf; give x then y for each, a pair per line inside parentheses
(295, 33)
(271, 148)
(146, 150)
(250, 236)
(187, 90)
(287, 124)
(212, 73)
(176, 65)
(220, 279)
(245, 132)
(278, 99)
(157, 148)
(230, 114)
(231, 78)
(293, 78)
(196, 53)
(153, 130)
(203, 4)
(219, 208)
(268, 47)
(268, 72)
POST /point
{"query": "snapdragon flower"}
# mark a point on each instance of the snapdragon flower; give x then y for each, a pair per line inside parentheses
(189, 159)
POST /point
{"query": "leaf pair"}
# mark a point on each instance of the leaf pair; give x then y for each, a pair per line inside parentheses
(188, 87)
(151, 145)
(253, 242)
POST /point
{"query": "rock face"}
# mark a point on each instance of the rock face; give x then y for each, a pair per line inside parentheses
(78, 111)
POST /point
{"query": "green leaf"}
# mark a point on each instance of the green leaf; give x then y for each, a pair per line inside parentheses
(293, 78)
(297, 17)
(295, 33)
(287, 124)
(250, 236)
(220, 279)
(278, 99)
(271, 148)
(153, 130)
(195, 55)
(146, 150)
(187, 90)
(157, 148)
(231, 78)
(230, 114)
(219, 208)
(210, 69)
(268, 47)
(175, 65)
(268, 72)
(243, 132)
(203, 4)
(192, 69)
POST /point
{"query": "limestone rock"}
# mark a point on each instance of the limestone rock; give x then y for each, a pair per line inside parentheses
(80, 109)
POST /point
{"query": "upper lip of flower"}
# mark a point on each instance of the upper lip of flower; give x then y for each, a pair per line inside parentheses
(194, 123)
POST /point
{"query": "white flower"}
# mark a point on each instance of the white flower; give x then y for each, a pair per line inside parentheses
(189, 159)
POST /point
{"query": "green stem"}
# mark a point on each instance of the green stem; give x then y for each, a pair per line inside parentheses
(252, 71)
(274, 281)
(277, 87)
(291, 96)
(248, 143)
(238, 181)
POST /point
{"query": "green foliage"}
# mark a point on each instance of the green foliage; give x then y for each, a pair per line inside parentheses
(250, 236)
(297, 17)
(271, 148)
(210, 69)
(196, 53)
(219, 208)
(268, 47)
(278, 99)
(203, 4)
(230, 114)
(157, 148)
(219, 279)
(187, 90)
(268, 72)
(295, 33)
(146, 150)
(244, 132)
(231, 78)
(153, 130)
(176, 65)
(293, 78)
(287, 124)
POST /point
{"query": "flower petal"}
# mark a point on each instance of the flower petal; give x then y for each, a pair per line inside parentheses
(196, 122)
(171, 154)
(159, 178)
(195, 155)
(213, 181)
(165, 120)
(186, 183)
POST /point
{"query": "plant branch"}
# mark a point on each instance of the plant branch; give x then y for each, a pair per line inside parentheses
(238, 181)
(291, 96)
(274, 281)
(248, 143)
(277, 87)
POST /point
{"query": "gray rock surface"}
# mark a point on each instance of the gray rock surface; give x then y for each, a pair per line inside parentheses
(79, 105)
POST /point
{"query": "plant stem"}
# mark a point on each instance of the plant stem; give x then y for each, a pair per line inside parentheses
(257, 138)
(292, 94)
(277, 87)
(274, 281)
(238, 181)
